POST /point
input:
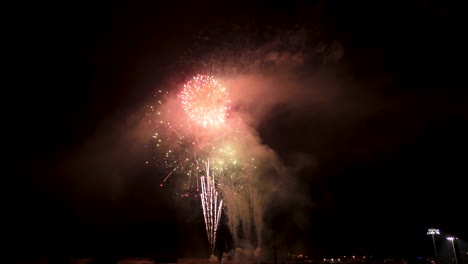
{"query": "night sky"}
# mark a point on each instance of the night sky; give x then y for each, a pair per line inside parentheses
(378, 147)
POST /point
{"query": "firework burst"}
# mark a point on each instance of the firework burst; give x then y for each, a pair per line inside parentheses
(205, 101)
(195, 139)
(183, 145)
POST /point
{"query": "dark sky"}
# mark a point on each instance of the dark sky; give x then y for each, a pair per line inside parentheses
(387, 158)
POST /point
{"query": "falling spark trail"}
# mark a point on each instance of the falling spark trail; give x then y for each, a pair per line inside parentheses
(169, 175)
(175, 131)
(211, 206)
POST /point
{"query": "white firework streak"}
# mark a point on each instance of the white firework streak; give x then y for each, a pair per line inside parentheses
(211, 206)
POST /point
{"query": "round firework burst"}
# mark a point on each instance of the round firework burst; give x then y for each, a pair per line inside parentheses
(205, 101)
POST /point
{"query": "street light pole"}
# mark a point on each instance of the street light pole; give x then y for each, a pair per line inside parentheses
(432, 232)
(453, 247)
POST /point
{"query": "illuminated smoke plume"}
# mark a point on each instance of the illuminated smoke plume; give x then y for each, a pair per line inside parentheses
(215, 116)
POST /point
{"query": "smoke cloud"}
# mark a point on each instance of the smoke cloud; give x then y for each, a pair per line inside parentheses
(282, 80)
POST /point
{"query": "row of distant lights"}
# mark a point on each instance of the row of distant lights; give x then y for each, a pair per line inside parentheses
(332, 260)
(430, 231)
(434, 231)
